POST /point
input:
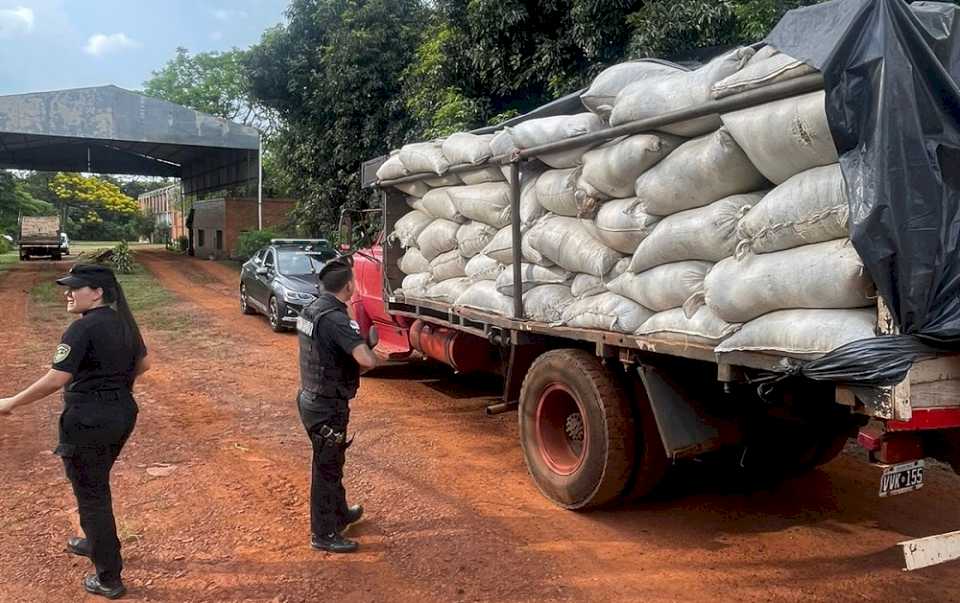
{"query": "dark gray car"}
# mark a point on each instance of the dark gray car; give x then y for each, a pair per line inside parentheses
(280, 279)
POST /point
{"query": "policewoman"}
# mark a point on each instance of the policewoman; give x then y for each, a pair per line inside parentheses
(332, 356)
(96, 363)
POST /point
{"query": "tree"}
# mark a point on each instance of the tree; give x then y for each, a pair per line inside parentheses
(332, 74)
(16, 201)
(211, 82)
(92, 193)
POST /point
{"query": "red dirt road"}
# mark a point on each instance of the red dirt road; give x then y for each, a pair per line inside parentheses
(222, 514)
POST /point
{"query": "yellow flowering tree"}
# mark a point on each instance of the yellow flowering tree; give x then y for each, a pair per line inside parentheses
(92, 194)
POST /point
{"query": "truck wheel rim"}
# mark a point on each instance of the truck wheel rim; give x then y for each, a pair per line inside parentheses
(562, 436)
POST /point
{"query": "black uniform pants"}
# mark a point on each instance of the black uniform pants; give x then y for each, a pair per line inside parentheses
(93, 431)
(328, 499)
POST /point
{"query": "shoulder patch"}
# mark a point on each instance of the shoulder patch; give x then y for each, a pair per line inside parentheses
(62, 353)
(305, 326)
(355, 325)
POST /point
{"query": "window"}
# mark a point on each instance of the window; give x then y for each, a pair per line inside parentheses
(268, 262)
(258, 259)
(201, 238)
(219, 239)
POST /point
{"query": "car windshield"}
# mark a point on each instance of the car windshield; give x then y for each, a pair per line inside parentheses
(299, 262)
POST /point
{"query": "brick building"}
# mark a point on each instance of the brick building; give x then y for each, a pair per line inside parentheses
(164, 204)
(217, 223)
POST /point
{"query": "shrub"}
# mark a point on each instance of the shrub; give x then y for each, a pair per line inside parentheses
(5, 246)
(251, 241)
(122, 258)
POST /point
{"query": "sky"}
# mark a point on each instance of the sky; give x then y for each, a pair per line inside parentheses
(57, 44)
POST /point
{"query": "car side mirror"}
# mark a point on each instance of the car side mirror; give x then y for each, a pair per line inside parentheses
(262, 270)
(346, 230)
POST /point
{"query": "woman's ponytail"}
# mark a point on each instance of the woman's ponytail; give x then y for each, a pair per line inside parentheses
(132, 338)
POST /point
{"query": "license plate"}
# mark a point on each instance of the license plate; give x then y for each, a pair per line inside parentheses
(900, 479)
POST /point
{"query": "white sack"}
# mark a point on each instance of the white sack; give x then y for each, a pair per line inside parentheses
(785, 137)
(810, 207)
(416, 285)
(437, 203)
(704, 324)
(535, 132)
(448, 265)
(663, 287)
(464, 147)
(532, 275)
(409, 227)
(611, 171)
(487, 174)
(413, 262)
(622, 225)
(501, 248)
(421, 157)
(483, 268)
(804, 334)
(414, 189)
(445, 180)
(502, 145)
(669, 92)
(440, 236)
(392, 168)
(488, 203)
(565, 242)
(585, 285)
(699, 172)
(607, 311)
(824, 275)
(417, 204)
(547, 303)
(530, 208)
(449, 290)
(768, 66)
(706, 233)
(473, 237)
(483, 295)
(556, 192)
(603, 91)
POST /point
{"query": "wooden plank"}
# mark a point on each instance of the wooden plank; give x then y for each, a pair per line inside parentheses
(929, 551)
(900, 393)
(943, 368)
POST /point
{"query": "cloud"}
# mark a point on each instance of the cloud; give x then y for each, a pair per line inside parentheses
(225, 14)
(101, 44)
(15, 21)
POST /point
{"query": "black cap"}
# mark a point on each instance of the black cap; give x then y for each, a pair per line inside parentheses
(88, 275)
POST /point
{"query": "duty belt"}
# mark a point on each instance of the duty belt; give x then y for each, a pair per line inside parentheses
(331, 437)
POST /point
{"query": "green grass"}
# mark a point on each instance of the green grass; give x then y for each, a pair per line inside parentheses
(153, 306)
(8, 259)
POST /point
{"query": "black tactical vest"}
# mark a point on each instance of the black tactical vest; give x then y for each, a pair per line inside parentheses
(325, 370)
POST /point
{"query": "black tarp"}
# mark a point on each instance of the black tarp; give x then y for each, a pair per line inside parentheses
(890, 72)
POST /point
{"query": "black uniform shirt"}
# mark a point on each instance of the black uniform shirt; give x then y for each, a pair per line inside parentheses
(93, 351)
(336, 330)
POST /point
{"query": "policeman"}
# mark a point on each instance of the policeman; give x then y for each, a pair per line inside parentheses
(332, 356)
(97, 361)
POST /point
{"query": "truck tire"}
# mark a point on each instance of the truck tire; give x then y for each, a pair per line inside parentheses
(576, 429)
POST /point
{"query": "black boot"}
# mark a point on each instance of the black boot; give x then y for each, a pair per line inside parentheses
(352, 516)
(93, 586)
(333, 543)
(78, 546)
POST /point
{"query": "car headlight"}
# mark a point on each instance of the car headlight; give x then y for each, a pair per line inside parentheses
(295, 297)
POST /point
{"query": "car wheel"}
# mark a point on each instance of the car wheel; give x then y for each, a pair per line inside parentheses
(244, 303)
(273, 315)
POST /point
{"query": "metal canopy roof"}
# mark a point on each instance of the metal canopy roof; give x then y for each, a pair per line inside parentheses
(109, 130)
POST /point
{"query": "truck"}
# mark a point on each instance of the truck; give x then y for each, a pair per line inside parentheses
(604, 415)
(40, 236)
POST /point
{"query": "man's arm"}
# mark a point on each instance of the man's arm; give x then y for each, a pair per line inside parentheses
(365, 357)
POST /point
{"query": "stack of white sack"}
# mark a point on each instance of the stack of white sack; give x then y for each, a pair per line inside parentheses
(735, 239)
